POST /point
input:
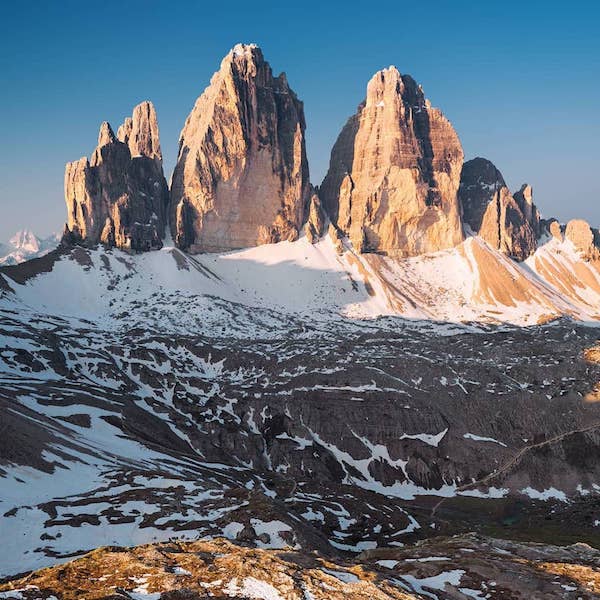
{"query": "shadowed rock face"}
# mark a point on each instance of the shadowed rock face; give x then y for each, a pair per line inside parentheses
(508, 223)
(315, 221)
(480, 180)
(394, 172)
(119, 197)
(242, 176)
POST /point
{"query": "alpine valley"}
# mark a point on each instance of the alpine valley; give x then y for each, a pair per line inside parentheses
(237, 384)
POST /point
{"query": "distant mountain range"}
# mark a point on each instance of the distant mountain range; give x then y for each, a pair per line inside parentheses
(25, 245)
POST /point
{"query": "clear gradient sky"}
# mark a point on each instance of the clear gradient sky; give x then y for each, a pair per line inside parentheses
(520, 81)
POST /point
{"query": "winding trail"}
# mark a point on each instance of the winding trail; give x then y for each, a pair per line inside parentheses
(512, 462)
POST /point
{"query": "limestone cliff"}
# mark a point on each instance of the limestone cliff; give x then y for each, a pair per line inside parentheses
(394, 172)
(119, 197)
(508, 223)
(584, 238)
(241, 177)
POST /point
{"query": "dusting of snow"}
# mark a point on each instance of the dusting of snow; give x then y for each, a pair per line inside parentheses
(252, 588)
(549, 494)
(427, 438)
(343, 576)
(436, 582)
(479, 438)
(388, 564)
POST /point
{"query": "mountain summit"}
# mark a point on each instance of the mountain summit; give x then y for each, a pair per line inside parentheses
(119, 197)
(241, 177)
(396, 183)
(394, 172)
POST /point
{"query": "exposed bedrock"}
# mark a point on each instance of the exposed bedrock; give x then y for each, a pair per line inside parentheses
(241, 177)
(119, 197)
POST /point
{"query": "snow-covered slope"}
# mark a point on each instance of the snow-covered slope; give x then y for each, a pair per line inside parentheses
(471, 282)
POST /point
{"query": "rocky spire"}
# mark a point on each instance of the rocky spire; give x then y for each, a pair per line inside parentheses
(241, 177)
(524, 198)
(584, 238)
(119, 197)
(140, 132)
(315, 222)
(509, 224)
(106, 134)
(394, 172)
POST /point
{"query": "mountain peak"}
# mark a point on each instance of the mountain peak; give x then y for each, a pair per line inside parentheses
(25, 239)
(394, 172)
(509, 223)
(244, 49)
(140, 132)
(241, 177)
(120, 197)
(106, 134)
(25, 245)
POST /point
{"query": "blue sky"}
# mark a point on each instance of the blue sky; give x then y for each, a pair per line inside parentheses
(520, 81)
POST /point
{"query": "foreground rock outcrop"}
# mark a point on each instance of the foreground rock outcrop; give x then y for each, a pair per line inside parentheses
(119, 197)
(394, 172)
(508, 223)
(242, 176)
(460, 567)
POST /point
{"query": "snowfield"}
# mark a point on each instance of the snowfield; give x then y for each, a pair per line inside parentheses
(469, 283)
(285, 395)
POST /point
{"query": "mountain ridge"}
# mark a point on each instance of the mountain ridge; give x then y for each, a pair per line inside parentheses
(360, 387)
(396, 186)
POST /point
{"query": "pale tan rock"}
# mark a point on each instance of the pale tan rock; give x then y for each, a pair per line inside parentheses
(241, 177)
(315, 224)
(504, 227)
(394, 172)
(117, 199)
(581, 236)
(106, 134)
(509, 224)
(140, 132)
(555, 230)
(524, 199)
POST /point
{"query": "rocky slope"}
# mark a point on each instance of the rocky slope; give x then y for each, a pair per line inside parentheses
(507, 223)
(241, 177)
(461, 567)
(119, 197)
(394, 172)
(245, 395)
